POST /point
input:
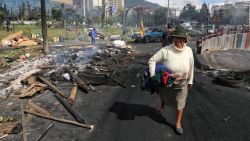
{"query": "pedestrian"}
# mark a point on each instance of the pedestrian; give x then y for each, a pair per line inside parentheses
(93, 36)
(166, 36)
(178, 58)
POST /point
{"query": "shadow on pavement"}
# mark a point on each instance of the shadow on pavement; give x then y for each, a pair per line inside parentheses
(126, 111)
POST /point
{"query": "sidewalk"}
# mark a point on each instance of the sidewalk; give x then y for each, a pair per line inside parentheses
(231, 60)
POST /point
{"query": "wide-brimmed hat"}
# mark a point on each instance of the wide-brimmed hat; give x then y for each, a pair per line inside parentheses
(180, 32)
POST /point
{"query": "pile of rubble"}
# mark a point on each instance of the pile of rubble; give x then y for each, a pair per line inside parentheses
(81, 67)
(19, 40)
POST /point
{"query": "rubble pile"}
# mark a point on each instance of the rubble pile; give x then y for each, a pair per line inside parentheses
(81, 68)
(19, 40)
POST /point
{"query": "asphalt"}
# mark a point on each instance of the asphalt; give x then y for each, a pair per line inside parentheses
(213, 112)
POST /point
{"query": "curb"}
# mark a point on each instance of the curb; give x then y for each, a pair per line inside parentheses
(200, 62)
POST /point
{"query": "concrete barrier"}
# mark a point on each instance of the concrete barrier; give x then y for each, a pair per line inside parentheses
(219, 41)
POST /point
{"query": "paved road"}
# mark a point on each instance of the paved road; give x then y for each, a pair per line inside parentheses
(213, 112)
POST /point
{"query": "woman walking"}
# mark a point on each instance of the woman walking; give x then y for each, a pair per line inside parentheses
(177, 57)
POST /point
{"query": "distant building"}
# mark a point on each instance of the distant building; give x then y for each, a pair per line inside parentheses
(242, 5)
(13, 6)
(69, 2)
(227, 6)
(117, 4)
(214, 9)
(87, 7)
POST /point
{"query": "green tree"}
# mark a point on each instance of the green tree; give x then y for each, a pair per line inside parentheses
(189, 13)
(204, 15)
(56, 14)
(2, 17)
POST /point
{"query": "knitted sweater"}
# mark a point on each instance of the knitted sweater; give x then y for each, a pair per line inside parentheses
(179, 61)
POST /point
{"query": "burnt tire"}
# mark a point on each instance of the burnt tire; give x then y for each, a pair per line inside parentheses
(228, 81)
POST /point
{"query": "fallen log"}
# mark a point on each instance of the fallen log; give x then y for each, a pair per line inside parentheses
(81, 84)
(53, 87)
(73, 94)
(44, 132)
(68, 107)
(61, 120)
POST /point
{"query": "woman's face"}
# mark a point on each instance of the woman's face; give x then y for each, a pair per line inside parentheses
(179, 42)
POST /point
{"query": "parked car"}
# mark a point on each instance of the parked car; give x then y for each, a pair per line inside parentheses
(151, 34)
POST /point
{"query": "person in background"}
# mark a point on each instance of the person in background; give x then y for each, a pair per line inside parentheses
(166, 36)
(178, 58)
(93, 36)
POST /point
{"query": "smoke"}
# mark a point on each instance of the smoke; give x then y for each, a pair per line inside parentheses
(74, 57)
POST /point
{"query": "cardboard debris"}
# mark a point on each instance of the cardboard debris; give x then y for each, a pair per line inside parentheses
(27, 43)
(18, 40)
(7, 40)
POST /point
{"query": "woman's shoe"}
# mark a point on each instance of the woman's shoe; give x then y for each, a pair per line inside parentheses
(179, 131)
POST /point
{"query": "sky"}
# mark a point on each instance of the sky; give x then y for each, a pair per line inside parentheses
(179, 4)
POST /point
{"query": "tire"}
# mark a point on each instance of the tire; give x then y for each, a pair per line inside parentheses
(136, 40)
(228, 81)
(147, 39)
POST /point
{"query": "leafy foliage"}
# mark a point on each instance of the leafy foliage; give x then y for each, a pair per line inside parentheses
(189, 13)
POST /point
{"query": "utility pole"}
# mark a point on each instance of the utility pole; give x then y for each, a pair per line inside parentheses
(44, 27)
(168, 12)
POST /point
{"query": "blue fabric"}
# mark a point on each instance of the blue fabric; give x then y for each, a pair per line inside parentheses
(155, 82)
(93, 33)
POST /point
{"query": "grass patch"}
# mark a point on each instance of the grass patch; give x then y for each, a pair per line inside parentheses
(28, 30)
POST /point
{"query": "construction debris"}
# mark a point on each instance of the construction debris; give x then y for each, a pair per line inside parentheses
(38, 109)
(85, 67)
(23, 123)
(18, 40)
(44, 132)
(10, 128)
(53, 87)
(61, 120)
(32, 89)
(82, 85)
(73, 94)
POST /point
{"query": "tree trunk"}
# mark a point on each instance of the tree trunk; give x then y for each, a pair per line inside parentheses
(44, 27)
(103, 13)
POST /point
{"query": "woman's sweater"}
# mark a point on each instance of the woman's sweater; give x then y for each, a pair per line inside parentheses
(179, 61)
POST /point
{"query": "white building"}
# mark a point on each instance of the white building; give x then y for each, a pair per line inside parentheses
(87, 7)
(214, 9)
(117, 4)
(242, 5)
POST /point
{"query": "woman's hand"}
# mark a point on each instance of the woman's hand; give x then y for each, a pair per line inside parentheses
(190, 86)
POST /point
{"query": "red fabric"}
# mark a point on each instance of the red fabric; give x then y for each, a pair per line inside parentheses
(165, 78)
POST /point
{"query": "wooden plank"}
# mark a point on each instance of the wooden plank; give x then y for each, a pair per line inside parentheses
(73, 94)
(23, 123)
(81, 84)
(61, 120)
(38, 108)
(53, 87)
